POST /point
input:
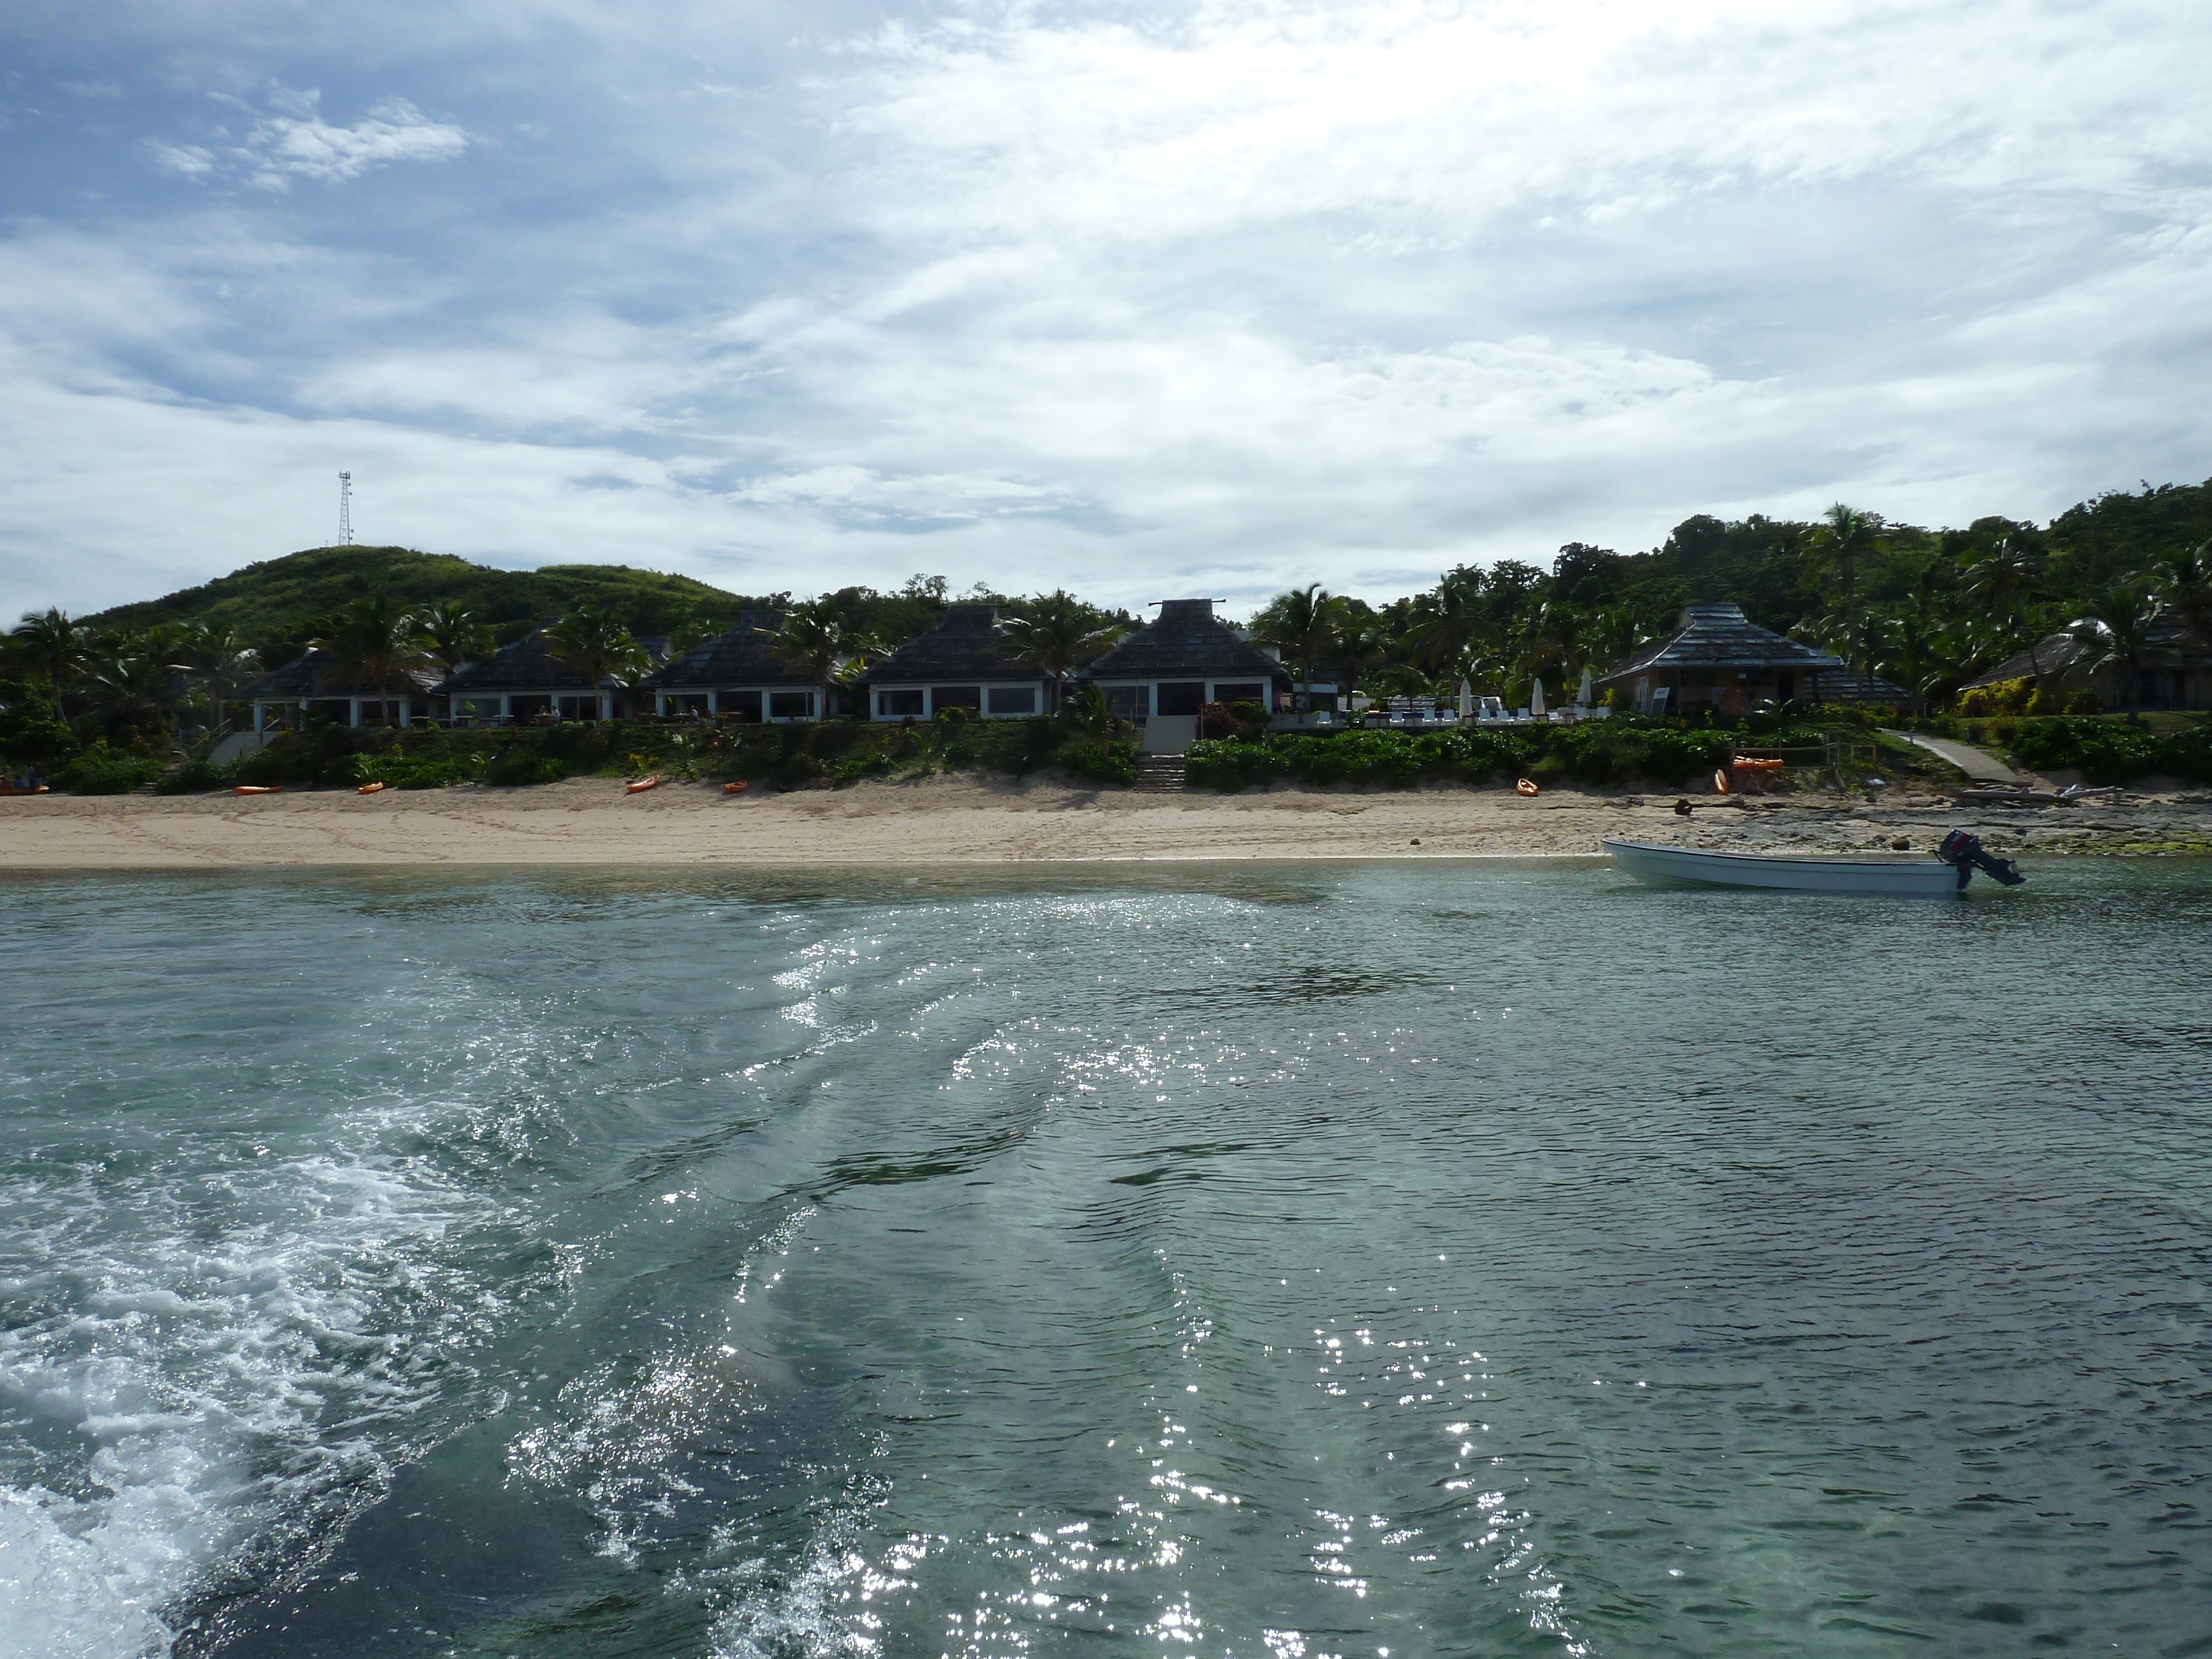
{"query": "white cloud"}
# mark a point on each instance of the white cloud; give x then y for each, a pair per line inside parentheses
(296, 142)
(302, 145)
(186, 161)
(1241, 112)
(1243, 291)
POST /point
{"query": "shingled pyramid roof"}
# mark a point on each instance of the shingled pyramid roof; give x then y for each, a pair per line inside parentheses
(746, 655)
(1185, 640)
(1719, 637)
(529, 665)
(316, 675)
(966, 645)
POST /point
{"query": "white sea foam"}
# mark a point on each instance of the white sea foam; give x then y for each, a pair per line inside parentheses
(178, 1396)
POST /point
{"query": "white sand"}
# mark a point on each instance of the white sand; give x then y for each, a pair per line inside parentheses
(592, 822)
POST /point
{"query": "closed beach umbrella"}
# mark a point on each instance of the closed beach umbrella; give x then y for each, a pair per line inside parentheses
(1536, 700)
(1466, 700)
(1583, 696)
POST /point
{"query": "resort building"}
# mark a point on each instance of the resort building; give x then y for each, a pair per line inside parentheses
(529, 680)
(738, 676)
(2173, 670)
(1718, 659)
(1181, 660)
(1857, 685)
(315, 689)
(961, 663)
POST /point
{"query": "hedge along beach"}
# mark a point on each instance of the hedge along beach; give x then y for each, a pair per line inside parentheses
(956, 819)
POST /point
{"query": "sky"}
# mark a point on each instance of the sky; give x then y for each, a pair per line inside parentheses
(1144, 300)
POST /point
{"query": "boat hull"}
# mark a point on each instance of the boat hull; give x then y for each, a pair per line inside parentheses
(1698, 866)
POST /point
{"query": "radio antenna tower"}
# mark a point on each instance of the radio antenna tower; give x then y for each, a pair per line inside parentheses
(345, 509)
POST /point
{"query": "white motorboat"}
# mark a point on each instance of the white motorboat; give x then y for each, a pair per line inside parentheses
(1704, 867)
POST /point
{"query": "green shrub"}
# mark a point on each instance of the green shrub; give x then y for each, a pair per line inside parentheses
(101, 771)
(2084, 701)
(1594, 752)
(519, 764)
(1103, 762)
(853, 768)
(1229, 764)
(2103, 751)
(794, 770)
(31, 733)
(2189, 754)
(196, 777)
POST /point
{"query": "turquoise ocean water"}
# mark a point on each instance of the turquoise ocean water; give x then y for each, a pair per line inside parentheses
(1252, 1260)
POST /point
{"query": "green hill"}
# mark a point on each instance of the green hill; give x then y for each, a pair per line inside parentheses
(277, 603)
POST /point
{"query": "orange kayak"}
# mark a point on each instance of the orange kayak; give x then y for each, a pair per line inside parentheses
(258, 789)
(370, 789)
(736, 788)
(643, 784)
(1527, 788)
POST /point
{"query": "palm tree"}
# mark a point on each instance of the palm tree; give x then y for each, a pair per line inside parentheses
(1299, 623)
(597, 646)
(1840, 542)
(449, 634)
(2183, 581)
(57, 644)
(811, 638)
(1928, 648)
(214, 652)
(1090, 713)
(131, 685)
(373, 641)
(1552, 636)
(1059, 635)
(2115, 627)
(1361, 642)
(1612, 634)
(1453, 621)
(2003, 579)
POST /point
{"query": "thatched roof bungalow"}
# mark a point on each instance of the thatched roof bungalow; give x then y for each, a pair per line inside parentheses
(1718, 657)
(2174, 672)
(315, 687)
(527, 679)
(738, 676)
(1181, 660)
(961, 663)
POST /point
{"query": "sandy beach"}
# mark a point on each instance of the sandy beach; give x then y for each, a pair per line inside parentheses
(961, 820)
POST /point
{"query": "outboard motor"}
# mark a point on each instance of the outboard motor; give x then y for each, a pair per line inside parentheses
(1965, 853)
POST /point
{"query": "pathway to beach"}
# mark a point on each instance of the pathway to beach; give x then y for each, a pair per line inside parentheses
(1978, 764)
(589, 821)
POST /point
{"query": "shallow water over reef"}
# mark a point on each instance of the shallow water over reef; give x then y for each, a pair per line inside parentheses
(1405, 1258)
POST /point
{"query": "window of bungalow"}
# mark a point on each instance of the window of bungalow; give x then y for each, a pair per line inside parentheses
(585, 707)
(1131, 702)
(1013, 700)
(739, 705)
(1240, 692)
(942, 697)
(790, 704)
(897, 705)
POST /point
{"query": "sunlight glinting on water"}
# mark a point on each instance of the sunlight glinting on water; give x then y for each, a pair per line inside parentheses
(1306, 1262)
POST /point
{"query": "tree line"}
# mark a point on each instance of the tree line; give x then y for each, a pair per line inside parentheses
(1926, 610)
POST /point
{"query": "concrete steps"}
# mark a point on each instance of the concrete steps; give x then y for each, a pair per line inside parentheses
(1159, 774)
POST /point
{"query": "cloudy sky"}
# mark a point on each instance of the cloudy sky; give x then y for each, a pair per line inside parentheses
(1146, 299)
